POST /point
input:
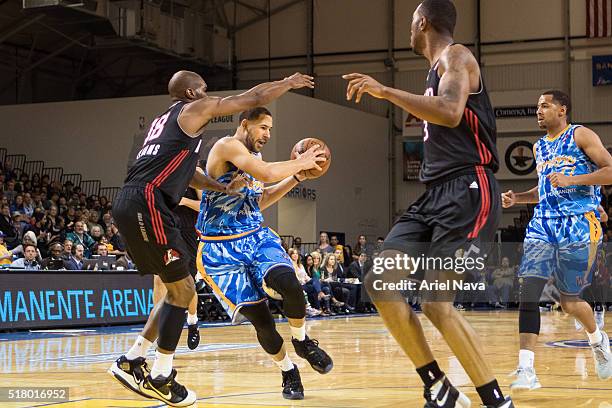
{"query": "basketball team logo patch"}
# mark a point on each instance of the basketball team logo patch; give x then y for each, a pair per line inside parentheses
(171, 255)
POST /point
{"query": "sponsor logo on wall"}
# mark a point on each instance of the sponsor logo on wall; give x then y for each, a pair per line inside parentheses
(519, 158)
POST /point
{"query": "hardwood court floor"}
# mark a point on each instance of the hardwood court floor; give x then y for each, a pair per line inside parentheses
(229, 369)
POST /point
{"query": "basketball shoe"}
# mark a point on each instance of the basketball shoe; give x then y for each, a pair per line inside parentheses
(130, 373)
(292, 384)
(167, 390)
(526, 380)
(193, 336)
(603, 358)
(309, 350)
(443, 395)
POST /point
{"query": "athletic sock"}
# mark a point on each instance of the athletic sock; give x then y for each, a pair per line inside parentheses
(139, 348)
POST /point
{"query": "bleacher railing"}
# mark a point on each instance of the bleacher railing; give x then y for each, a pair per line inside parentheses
(32, 167)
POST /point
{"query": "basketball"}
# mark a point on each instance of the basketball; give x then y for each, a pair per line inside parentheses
(305, 144)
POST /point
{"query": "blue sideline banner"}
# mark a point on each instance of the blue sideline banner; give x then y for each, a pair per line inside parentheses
(44, 299)
(602, 70)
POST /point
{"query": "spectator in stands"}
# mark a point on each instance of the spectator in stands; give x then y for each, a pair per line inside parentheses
(324, 247)
(297, 244)
(339, 254)
(28, 262)
(39, 231)
(19, 223)
(379, 246)
(54, 262)
(329, 274)
(70, 215)
(101, 249)
(35, 179)
(309, 265)
(8, 170)
(44, 181)
(7, 227)
(52, 199)
(79, 236)
(96, 232)
(103, 202)
(115, 239)
(10, 192)
(358, 268)
(107, 220)
(67, 249)
(503, 281)
(28, 204)
(362, 246)
(6, 256)
(75, 263)
(17, 205)
(306, 282)
(333, 241)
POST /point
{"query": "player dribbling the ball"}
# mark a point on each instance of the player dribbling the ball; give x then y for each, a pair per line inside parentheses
(237, 256)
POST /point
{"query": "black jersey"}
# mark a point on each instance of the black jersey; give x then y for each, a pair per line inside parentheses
(187, 216)
(168, 157)
(472, 143)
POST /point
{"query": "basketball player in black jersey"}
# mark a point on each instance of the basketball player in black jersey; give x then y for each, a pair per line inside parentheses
(164, 168)
(458, 212)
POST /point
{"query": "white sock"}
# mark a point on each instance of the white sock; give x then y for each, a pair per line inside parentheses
(298, 333)
(526, 358)
(285, 364)
(595, 337)
(139, 349)
(162, 365)
(192, 319)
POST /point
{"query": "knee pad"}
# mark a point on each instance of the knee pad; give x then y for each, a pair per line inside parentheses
(283, 280)
(260, 317)
(529, 310)
(171, 321)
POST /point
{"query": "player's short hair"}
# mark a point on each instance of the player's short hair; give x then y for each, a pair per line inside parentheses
(254, 114)
(442, 15)
(560, 98)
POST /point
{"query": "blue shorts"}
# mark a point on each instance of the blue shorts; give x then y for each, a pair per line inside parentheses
(234, 266)
(563, 247)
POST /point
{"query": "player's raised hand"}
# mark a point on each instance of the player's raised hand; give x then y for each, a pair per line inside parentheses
(312, 157)
(298, 81)
(508, 199)
(360, 84)
(559, 180)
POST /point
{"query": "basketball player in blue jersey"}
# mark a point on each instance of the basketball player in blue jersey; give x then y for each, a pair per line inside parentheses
(456, 217)
(564, 236)
(241, 260)
(143, 212)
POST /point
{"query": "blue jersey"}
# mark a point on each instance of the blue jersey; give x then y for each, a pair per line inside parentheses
(222, 214)
(562, 155)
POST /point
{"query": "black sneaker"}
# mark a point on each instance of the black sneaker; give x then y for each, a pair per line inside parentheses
(292, 384)
(309, 350)
(507, 403)
(167, 390)
(193, 336)
(130, 373)
(443, 395)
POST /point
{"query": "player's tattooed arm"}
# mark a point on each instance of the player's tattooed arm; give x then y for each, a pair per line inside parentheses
(445, 109)
(202, 181)
(197, 114)
(591, 145)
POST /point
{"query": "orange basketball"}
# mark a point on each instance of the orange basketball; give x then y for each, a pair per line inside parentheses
(305, 144)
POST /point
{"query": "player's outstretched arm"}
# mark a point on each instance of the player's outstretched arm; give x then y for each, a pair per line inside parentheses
(196, 114)
(445, 109)
(591, 145)
(235, 152)
(201, 181)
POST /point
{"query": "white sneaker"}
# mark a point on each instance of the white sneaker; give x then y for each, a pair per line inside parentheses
(603, 358)
(578, 325)
(599, 318)
(312, 312)
(526, 380)
(442, 394)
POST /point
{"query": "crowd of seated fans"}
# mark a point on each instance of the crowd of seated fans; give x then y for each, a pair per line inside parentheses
(47, 225)
(332, 274)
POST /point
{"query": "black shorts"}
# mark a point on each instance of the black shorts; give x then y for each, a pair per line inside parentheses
(151, 231)
(460, 212)
(191, 240)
